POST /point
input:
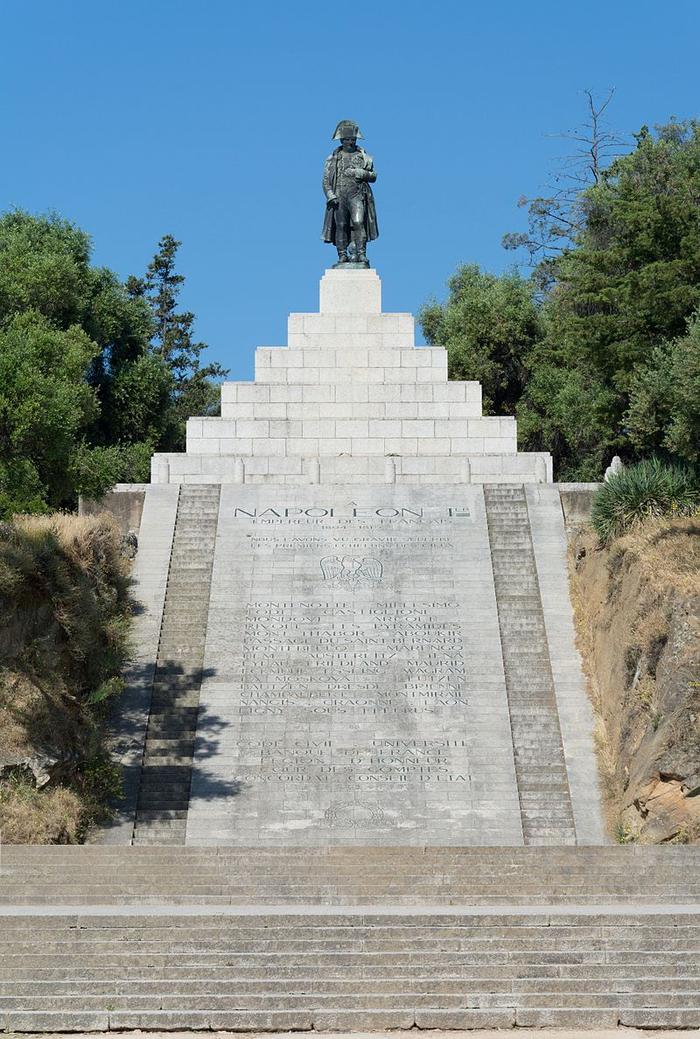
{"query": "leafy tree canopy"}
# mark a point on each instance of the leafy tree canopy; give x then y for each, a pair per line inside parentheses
(45, 406)
(664, 410)
(488, 325)
(599, 352)
(95, 375)
(633, 275)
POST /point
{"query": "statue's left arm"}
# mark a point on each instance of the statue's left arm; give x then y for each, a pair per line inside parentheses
(368, 172)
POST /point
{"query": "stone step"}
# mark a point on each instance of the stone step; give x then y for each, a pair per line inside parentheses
(378, 877)
(316, 1001)
(161, 815)
(166, 775)
(301, 899)
(345, 962)
(202, 506)
(181, 759)
(169, 729)
(187, 571)
(446, 881)
(183, 717)
(199, 498)
(337, 968)
(345, 1019)
(550, 978)
(168, 746)
(177, 757)
(160, 791)
(279, 892)
(299, 971)
(173, 618)
(191, 588)
(180, 672)
(155, 818)
(628, 926)
(487, 950)
(625, 929)
(338, 862)
(175, 798)
(188, 579)
(178, 699)
(496, 860)
(490, 863)
(236, 988)
(159, 832)
(328, 893)
(162, 794)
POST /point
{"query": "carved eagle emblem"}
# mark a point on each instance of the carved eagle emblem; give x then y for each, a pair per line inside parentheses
(351, 570)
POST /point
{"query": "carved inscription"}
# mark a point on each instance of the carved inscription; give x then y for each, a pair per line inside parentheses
(353, 678)
(333, 657)
(323, 761)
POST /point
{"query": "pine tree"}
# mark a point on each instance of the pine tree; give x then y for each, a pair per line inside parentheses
(194, 390)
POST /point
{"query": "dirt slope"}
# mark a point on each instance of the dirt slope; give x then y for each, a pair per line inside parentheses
(637, 607)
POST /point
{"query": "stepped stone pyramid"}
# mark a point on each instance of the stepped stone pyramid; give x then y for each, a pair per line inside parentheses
(351, 399)
(359, 782)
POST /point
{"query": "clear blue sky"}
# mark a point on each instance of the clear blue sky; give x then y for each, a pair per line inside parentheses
(210, 120)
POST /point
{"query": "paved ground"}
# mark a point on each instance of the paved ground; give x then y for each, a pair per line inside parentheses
(523, 1033)
(140, 910)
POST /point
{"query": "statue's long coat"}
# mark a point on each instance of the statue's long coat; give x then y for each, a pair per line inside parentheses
(330, 182)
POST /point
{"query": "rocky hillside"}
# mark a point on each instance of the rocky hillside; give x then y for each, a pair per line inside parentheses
(65, 616)
(637, 606)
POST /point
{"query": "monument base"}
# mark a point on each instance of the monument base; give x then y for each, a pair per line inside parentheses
(362, 634)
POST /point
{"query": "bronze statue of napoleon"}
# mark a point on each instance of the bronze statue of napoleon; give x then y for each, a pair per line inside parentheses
(351, 218)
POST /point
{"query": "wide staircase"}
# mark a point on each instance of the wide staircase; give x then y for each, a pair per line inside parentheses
(354, 938)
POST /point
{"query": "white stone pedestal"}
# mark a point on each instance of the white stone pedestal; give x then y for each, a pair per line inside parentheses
(351, 292)
(350, 391)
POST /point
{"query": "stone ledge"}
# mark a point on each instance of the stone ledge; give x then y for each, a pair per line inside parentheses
(256, 393)
(315, 466)
(577, 500)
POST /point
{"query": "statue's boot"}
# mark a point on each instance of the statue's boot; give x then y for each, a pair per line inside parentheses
(361, 254)
(342, 258)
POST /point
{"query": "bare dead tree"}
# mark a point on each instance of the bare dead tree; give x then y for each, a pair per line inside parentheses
(557, 217)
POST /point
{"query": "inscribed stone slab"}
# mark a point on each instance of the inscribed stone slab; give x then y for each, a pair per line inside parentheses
(353, 688)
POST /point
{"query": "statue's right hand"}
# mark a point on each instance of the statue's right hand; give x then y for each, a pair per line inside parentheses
(332, 203)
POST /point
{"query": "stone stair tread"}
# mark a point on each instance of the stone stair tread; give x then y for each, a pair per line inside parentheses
(260, 971)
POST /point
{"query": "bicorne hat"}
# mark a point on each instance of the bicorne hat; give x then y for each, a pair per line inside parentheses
(346, 128)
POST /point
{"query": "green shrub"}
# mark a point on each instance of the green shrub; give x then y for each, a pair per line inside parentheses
(638, 492)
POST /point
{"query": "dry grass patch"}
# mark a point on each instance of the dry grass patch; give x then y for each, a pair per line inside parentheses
(667, 551)
(65, 618)
(47, 816)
